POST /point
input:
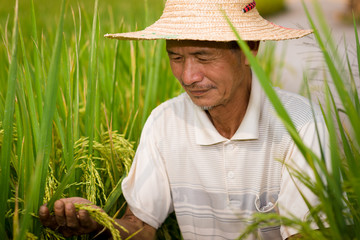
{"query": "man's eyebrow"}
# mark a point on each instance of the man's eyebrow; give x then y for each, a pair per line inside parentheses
(201, 52)
(171, 52)
(196, 53)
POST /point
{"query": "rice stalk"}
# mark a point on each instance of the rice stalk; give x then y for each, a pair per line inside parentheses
(349, 103)
(135, 88)
(8, 128)
(259, 220)
(92, 83)
(37, 63)
(152, 85)
(49, 234)
(111, 159)
(16, 215)
(94, 187)
(31, 106)
(114, 196)
(51, 184)
(338, 81)
(102, 218)
(117, 153)
(30, 236)
(75, 105)
(28, 122)
(36, 191)
(14, 134)
(93, 177)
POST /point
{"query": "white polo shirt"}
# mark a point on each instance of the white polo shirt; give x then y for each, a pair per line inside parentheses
(215, 184)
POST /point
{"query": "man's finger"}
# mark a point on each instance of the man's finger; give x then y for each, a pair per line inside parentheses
(85, 220)
(59, 210)
(46, 218)
(44, 215)
(71, 216)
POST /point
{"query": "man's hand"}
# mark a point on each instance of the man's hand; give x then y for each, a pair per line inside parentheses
(66, 220)
(69, 222)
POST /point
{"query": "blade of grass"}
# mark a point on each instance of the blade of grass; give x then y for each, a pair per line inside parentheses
(353, 165)
(114, 76)
(67, 133)
(30, 94)
(326, 32)
(335, 207)
(153, 82)
(334, 183)
(75, 104)
(63, 184)
(50, 105)
(91, 94)
(37, 82)
(8, 127)
(358, 58)
(75, 109)
(135, 88)
(25, 144)
(354, 91)
(114, 195)
(307, 88)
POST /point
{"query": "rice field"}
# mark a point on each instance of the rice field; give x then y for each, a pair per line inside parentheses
(72, 106)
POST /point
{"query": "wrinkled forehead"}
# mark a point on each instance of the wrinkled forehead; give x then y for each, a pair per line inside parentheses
(200, 44)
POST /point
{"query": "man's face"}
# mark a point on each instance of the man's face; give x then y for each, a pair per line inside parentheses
(210, 72)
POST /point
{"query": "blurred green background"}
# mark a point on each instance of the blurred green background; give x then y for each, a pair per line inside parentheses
(48, 12)
(270, 7)
(129, 12)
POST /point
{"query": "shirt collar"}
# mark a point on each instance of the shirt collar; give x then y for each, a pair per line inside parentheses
(206, 133)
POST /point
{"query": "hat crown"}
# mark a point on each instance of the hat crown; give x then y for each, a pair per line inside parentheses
(177, 7)
(189, 2)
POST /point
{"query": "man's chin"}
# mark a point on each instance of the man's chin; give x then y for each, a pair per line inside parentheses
(204, 105)
(207, 108)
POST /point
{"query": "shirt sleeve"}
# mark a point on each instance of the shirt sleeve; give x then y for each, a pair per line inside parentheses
(290, 201)
(146, 188)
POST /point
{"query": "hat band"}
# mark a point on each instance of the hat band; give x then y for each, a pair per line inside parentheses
(249, 7)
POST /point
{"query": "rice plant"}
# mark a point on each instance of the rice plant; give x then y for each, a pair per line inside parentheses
(71, 110)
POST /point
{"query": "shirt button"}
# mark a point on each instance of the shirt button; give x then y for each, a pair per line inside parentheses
(230, 146)
(231, 175)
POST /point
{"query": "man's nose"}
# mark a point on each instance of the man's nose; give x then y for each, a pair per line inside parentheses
(191, 73)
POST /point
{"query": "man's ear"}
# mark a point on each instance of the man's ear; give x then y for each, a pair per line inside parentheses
(254, 46)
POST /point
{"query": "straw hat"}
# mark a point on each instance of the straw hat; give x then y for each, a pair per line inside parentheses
(204, 20)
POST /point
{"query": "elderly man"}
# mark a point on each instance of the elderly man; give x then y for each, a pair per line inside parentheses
(215, 154)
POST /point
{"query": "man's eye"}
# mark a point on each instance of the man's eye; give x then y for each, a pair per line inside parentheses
(203, 60)
(176, 58)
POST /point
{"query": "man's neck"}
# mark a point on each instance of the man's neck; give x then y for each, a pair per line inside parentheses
(227, 118)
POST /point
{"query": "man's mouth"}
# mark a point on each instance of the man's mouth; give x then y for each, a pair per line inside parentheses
(198, 92)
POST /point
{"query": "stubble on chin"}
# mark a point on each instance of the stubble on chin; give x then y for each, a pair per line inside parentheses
(206, 108)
